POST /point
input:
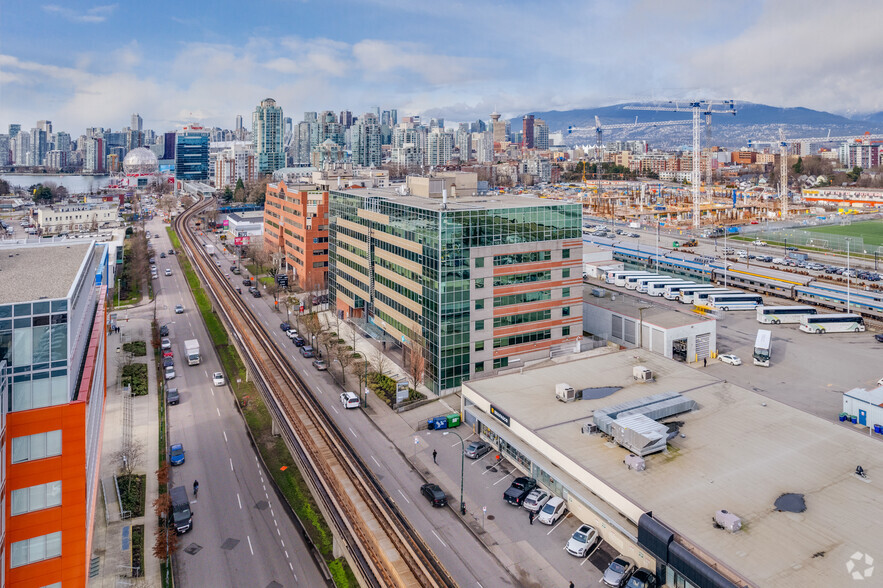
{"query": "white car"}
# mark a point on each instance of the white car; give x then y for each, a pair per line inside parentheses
(582, 541)
(292, 333)
(218, 379)
(760, 243)
(168, 272)
(552, 511)
(536, 500)
(730, 359)
(350, 400)
(170, 373)
(166, 344)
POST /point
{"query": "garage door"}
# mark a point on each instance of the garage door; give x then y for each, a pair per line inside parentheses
(628, 330)
(616, 330)
(703, 343)
(658, 344)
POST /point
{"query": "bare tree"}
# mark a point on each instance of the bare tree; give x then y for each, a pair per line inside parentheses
(311, 324)
(167, 204)
(379, 362)
(262, 257)
(129, 458)
(416, 364)
(289, 300)
(165, 542)
(186, 201)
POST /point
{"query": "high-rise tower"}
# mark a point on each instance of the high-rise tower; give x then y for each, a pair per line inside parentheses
(267, 136)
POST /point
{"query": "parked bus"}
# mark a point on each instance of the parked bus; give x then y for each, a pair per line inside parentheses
(783, 314)
(701, 296)
(673, 291)
(708, 311)
(658, 288)
(685, 295)
(762, 348)
(618, 277)
(631, 282)
(735, 301)
(832, 323)
(644, 284)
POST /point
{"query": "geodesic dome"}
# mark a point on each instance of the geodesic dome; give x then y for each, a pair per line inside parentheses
(140, 161)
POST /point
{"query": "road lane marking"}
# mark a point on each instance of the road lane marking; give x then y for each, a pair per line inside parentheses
(335, 409)
(225, 437)
(249, 544)
(286, 554)
(205, 372)
(353, 432)
(239, 501)
(439, 538)
(558, 523)
(278, 532)
(375, 461)
(219, 411)
(231, 465)
(403, 495)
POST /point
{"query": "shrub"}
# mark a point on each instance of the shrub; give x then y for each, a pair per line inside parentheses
(136, 348)
(135, 375)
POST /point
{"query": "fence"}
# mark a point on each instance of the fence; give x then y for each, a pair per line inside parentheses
(824, 241)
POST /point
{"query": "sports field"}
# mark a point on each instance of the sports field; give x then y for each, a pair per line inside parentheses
(870, 231)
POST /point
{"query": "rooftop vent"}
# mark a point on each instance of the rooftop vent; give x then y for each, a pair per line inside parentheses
(565, 392)
(726, 520)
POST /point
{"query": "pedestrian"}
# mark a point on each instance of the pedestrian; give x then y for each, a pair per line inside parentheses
(434, 453)
(704, 362)
(571, 585)
(530, 516)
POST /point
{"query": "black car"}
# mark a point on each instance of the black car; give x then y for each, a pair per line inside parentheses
(171, 251)
(434, 494)
(256, 293)
(162, 255)
(285, 326)
(299, 341)
(642, 579)
(246, 282)
(879, 337)
(168, 362)
(518, 491)
(164, 331)
(172, 396)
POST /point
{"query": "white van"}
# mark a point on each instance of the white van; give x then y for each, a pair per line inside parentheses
(552, 511)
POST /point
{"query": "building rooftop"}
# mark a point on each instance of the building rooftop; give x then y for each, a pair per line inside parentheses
(460, 203)
(31, 272)
(630, 306)
(739, 451)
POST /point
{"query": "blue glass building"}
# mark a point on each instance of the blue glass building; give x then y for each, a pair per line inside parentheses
(191, 153)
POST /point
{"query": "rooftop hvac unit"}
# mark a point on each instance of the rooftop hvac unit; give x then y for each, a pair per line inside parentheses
(635, 462)
(589, 429)
(639, 372)
(727, 520)
(565, 392)
(598, 292)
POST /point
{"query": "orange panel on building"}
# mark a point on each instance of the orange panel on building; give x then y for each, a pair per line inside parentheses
(296, 222)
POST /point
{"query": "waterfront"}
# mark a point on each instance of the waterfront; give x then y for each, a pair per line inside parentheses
(75, 184)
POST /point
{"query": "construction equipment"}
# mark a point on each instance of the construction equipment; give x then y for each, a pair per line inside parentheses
(598, 129)
(697, 107)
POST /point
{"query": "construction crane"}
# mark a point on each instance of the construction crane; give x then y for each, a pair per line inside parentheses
(599, 131)
(697, 107)
(783, 157)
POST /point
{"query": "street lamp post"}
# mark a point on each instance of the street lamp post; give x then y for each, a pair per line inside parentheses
(462, 461)
(847, 273)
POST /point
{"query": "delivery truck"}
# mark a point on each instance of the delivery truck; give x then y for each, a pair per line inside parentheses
(191, 351)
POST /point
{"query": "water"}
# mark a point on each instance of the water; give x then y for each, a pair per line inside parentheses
(74, 184)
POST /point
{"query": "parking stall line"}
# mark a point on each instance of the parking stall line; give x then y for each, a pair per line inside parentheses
(567, 514)
(503, 478)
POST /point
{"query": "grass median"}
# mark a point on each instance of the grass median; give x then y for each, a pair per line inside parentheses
(259, 421)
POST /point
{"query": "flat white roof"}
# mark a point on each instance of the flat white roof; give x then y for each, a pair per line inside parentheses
(740, 452)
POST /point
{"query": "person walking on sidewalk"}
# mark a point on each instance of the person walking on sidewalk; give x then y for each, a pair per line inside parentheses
(434, 454)
(704, 362)
(530, 516)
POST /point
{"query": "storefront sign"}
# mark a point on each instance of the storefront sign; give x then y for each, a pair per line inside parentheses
(501, 416)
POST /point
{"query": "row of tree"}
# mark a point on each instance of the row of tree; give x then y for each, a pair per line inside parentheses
(250, 192)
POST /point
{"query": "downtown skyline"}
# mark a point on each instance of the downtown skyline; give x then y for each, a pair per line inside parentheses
(202, 62)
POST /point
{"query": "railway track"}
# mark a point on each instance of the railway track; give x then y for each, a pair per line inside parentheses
(383, 547)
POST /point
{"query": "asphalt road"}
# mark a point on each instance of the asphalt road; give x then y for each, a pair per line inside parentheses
(465, 558)
(241, 535)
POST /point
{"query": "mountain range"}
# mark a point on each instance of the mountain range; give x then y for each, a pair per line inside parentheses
(752, 122)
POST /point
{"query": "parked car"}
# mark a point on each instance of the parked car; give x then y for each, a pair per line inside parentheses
(642, 579)
(582, 541)
(246, 282)
(171, 251)
(256, 293)
(552, 511)
(285, 327)
(299, 341)
(176, 454)
(218, 379)
(618, 571)
(172, 396)
(434, 494)
(536, 500)
(166, 344)
(320, 364)
(162, 255)
(168, 353)
(730, 359)
(350, 400)
(164, 331)
(168, 362)
(179, 309)
(170, 373)
(307, 351)
(518, 491)
(476, 449)
(292, 334)
(168, 272)
(879, 337)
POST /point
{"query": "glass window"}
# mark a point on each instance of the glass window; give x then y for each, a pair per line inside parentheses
(38, 446)
(479, 282)
(479, 325)
(565, 292)
(22, 348)
(23, 309)
(36, 497)
(565, 311)
(59, 305)
(479, 366)
(501, 362)
(479, 304)
(41, 307)
(565, 273)
(479, 345)
(6, 311)
(565, 253)
(36, 549)
(59, 342)
(479, 262)
(565, 331)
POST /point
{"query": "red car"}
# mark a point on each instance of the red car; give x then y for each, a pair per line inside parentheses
(168, 353)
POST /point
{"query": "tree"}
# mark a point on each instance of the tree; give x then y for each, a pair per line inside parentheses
(262, 257)
(312, 325)
(290, 301)
(40, 193)
(167, 204)
(855, 174)
(186, 201)
(239, 192)
(797, 168)
(379, 362)
(416, 364)
(257, 191)
(4, 187)
(228, 194)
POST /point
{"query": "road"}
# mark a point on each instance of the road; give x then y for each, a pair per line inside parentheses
(242, 536)
(464, 556)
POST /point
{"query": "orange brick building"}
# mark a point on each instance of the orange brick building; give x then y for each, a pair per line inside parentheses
(296, 223)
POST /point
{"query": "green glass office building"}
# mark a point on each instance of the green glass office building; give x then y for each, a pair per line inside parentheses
(475, 282)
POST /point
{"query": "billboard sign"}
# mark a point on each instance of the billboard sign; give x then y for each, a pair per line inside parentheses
(241, 240)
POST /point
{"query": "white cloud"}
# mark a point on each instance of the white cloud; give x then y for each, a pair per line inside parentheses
(95, 14)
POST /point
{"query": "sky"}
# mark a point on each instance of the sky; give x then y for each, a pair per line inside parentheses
(94, 63)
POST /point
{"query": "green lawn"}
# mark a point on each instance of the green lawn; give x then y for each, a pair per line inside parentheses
(870, 231)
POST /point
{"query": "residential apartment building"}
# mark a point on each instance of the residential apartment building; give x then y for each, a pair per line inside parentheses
(52, 391)
(366, 141)
(471, 284)
(267, 135)
(440, 147)
(233, 164)
(296, 222)
(94, 156)
(191, 153)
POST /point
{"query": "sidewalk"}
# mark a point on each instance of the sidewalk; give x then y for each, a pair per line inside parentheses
(514, 553)
(112, 533)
